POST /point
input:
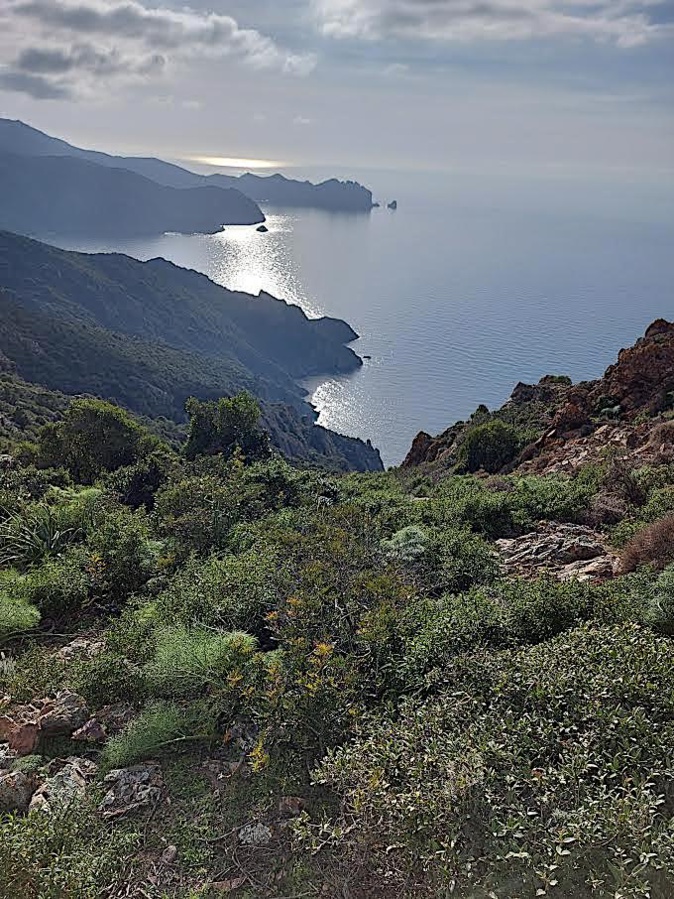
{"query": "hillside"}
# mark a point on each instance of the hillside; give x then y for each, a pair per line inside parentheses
(225, 675)
(149, 335)
(48, 195)
(19, 138)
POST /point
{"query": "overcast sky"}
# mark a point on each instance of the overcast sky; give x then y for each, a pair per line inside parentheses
(411, 84)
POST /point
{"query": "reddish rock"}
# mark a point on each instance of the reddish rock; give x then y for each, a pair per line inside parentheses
(20, 731)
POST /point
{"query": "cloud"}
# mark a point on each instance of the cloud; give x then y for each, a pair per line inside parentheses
(625, 23)
(58, 48)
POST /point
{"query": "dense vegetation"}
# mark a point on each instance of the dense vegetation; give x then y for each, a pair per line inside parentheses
(345, 694)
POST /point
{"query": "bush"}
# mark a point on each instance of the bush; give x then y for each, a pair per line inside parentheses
(161, 727)
(231, 593)
(188, 661)
(123, 554)
(94, 437)
(29, 537)
(60, 587)
(224, 426)
(16, 615)
(67, 853)
(653, 545)
(106, 678)
(534, 611)
(659, 612)
(489, 446)
(533, 769)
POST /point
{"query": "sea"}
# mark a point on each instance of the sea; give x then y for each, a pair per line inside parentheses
(475, 282)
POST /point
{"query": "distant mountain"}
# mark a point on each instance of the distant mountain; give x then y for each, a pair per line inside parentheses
(19, 138)
(150, 334)
(45, 195)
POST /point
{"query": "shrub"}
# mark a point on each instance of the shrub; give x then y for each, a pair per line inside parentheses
(653, 545)
(123, 555)
(16, 615)
(59, 587)
(538, 768)
(224, 426)
(188, 661)
(659, 612)
(406, 546)
(533, 611)
(489, 446)
(108, 677)
(231, 593)
(67, 853)
(94, 437)
(29, 537)
(161, 727)
(136, 485)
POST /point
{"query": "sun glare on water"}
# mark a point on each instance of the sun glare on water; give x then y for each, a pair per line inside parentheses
(233, 162)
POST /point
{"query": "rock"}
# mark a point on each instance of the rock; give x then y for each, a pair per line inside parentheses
(290, 806)
(66, 713)
(115, 717)
(83, 647)
(7, 756)
(67, 783)
(16, 788)
(91, 732)
(20, 731)
(226, 886)
(567, 550)
(255, 835)
(263, 229)
(392, 205)
(169, 855)
(130, 789)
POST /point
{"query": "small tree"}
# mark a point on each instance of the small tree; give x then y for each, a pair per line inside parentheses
(489, 446)
(94, 437)
(220, 427)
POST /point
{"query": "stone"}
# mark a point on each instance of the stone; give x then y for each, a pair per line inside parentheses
(566, 550)
(131, 789)
(7, 756)
(81, 647)
(63, 715)
(169, 855)
(115, 717)
(68, 782)
(16, 788)
(255, 835)
(20, 731)
(91, 732)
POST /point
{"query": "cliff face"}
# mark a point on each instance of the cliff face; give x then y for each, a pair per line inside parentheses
(574, 422)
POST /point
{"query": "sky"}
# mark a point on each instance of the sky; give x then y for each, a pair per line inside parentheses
(561, 86)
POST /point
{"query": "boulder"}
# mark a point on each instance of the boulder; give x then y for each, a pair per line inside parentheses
(132, 789)
(567, 550)
(91, 732)
(63, 715)
(16, 788)
(20, 730)
(81, 647)
(68, 781)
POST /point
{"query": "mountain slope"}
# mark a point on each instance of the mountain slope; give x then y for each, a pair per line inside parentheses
(19, 138)
(45, 195)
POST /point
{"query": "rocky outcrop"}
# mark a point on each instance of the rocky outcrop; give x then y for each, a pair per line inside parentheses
(570, 417)
(23, 726)
(67, 781)
(567, 551)
(132, 789)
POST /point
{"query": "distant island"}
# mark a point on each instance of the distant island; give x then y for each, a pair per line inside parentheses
(19, 139)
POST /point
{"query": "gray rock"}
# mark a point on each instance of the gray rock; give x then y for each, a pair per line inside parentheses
(7, 756)
(68, 783)
(255, 835)
(16, 788)
(130, 789)
(63, 715)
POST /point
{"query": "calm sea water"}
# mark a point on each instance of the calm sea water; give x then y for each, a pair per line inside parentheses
(469, 287)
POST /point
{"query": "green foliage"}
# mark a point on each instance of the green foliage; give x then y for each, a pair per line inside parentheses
(93, 437)
(659, 612)
(60, 587)
(489, 446)
(187, 662)
(161, 727)
(225, 426)
(532, 769)
(68, 854)
(16, 615)
(108, 677)
(33, 535)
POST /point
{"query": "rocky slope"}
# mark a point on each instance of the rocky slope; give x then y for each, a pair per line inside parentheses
(574, 423)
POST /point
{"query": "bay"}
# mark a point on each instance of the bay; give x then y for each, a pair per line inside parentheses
(473, 284)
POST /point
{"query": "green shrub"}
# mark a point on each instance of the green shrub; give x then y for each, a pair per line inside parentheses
(161, 727)
(106, 678)
(534, 611)
(489, 446)
(188, 661)
(29, 537)
(407, 545)
(659, 612)
(231, 593)
(94, 437)
(122, 551)
(67, 854)
(225, 426)
(60, 587)
(16, 615)
(533, 769)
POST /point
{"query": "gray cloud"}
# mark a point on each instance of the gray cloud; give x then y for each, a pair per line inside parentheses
(68, 45)
(36, 86)
(622, 22)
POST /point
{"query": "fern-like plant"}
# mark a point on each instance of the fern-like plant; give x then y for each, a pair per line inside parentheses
(27, 538)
